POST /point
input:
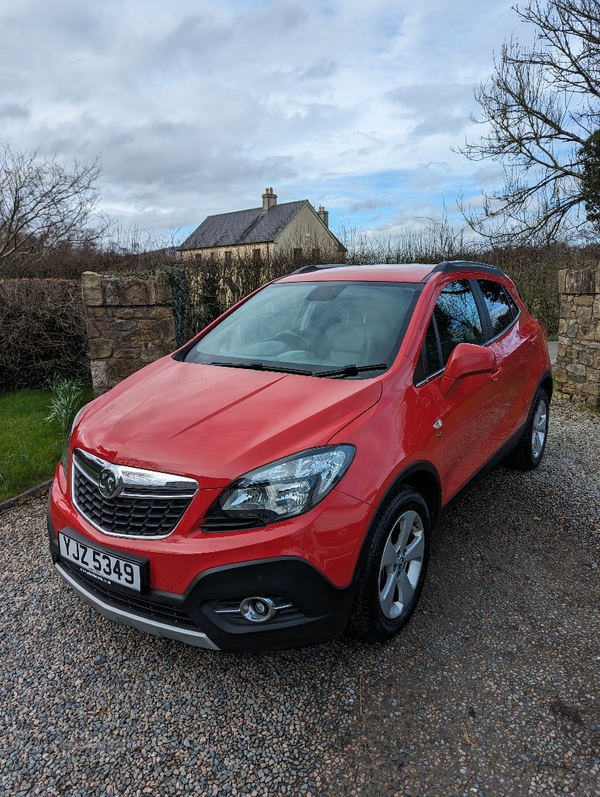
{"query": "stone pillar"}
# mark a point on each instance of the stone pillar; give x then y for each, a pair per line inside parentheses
(577, 372)
(129, 323)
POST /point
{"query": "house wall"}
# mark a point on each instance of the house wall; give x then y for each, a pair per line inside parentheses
(307, 232)
(238, 252)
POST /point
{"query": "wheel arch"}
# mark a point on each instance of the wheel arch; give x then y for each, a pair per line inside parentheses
(424, 479)
(547, 384)
(421, 477)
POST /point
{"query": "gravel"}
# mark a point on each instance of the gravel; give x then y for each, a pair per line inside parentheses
(493, 689)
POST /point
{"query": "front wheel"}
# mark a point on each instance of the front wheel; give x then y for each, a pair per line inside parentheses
(394, 567)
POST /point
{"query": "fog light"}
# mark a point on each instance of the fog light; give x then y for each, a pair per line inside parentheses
(257, 610)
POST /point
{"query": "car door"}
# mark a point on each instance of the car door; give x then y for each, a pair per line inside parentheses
(469, 414)
(512, 349)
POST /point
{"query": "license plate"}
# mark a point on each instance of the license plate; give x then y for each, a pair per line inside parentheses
(101, 564)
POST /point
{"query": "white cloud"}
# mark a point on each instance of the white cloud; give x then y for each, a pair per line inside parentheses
(196, 105)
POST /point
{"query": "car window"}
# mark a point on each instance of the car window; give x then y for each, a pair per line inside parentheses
(514, 307)
(432, 350)
(500, 309)
(314, 325)
(457, 318)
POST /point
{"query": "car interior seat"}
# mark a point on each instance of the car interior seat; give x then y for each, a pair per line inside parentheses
(348, 341)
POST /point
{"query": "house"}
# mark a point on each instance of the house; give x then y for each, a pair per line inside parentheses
(292, 230)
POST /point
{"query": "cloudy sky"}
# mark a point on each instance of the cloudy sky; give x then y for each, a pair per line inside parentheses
(195, 106)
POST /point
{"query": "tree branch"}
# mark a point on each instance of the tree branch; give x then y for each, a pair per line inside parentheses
(541, 106)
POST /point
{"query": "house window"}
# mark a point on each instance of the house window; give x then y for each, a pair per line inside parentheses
(198, 258)
(256, 256)
(297, 255)
(227, 258)
(316, 254)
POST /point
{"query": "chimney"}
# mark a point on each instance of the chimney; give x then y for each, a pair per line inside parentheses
(324, 216)
(269, 199)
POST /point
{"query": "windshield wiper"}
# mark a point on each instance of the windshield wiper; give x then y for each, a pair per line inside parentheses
(257, 365)
(352, 370)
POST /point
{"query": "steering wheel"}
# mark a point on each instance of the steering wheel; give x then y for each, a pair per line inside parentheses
(294, 341)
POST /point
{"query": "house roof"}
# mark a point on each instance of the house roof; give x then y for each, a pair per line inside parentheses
(243, 226)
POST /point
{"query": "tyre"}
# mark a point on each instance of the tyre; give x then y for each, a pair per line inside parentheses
(530, 449)
(394, 567)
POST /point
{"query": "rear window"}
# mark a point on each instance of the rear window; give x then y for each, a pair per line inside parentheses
(500, 306)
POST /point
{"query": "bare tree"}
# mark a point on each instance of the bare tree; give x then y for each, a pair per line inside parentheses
(541, 107)
(43, 205)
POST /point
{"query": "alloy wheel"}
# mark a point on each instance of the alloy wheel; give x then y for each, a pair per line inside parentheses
(539, 430)
(401, 563)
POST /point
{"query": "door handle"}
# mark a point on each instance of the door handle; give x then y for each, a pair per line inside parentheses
(496, 375)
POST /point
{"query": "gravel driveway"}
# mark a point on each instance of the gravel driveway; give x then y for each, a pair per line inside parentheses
(493, 689)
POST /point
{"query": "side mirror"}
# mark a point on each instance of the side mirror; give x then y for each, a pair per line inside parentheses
(466, 359)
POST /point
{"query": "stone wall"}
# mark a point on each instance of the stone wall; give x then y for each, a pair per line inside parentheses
(129, 323)
(577, 372)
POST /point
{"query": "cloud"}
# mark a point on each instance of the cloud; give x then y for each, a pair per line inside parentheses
(13, 110)
(369, 204)
(195, 107)
(438, 96)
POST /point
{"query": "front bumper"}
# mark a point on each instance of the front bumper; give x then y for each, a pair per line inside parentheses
(309, 608)
(129, 617)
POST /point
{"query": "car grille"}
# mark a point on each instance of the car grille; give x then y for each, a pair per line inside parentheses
(135, 503)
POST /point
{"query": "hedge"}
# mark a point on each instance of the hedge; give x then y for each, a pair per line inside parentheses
(42, 333)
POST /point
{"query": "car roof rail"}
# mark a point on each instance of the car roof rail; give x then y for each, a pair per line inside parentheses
(318, 267)
(445, 267)
(452, 266)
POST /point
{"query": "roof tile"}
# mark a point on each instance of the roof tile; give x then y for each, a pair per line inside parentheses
(243, 226)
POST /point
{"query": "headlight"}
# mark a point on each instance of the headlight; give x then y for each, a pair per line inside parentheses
(281, 490)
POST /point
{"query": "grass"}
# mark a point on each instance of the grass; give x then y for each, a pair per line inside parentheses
(30, 447)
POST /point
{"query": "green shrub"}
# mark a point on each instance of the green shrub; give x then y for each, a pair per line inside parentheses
(68, 396)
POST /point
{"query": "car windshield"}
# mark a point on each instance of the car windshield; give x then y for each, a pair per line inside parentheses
(337, 329)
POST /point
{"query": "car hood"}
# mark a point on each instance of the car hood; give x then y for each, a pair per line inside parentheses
(214, 422)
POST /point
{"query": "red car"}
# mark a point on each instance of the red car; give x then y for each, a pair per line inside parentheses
(280, 476)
